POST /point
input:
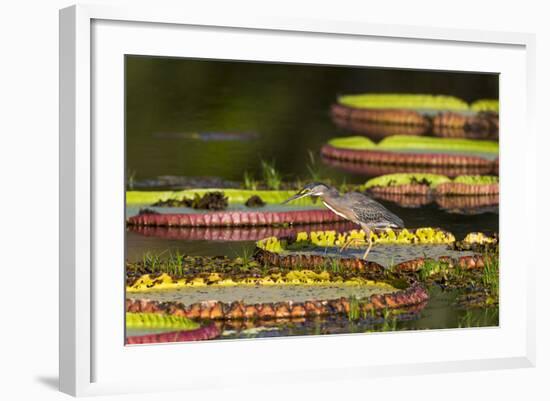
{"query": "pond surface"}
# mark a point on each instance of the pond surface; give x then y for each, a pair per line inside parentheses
(178, 110)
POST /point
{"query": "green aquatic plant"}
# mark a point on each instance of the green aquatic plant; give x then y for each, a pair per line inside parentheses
(152, 261)
(403, 101)
(271, 244)
(353, 142)
(330, 238)
(354, 311)
(390, 321)
(175, 264)
(234, 196)
(491, 278)
(420, 143)
(478, 318)
(131, 178)
(272, 178)
(485, 105)
(429, 268)
(215, 200)
(158, 321)
(313, 167)
(333, 265)
(246, 258)
(389, 180)
(249, 182)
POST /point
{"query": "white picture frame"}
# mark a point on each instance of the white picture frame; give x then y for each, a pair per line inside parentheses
(92, 39)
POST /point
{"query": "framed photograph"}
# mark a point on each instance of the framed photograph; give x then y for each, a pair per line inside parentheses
(279, 198)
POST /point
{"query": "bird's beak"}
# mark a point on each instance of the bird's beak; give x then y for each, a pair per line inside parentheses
(301, 194)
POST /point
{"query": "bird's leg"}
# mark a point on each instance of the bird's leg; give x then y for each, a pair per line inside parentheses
(369, 241)
(352, 240)
(349, 242)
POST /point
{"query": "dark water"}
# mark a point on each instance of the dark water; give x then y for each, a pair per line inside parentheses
(285, 106)
(179, 113)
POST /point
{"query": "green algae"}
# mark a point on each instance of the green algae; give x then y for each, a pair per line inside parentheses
(403, 101)
(234, 196)
(406, 142)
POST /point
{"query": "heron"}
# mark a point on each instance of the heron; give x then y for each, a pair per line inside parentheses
(353, 206)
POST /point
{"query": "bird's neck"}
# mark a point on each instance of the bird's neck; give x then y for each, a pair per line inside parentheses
(330, 194)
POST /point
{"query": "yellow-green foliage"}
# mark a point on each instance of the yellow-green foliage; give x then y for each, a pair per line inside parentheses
(479, 238)
(293, 277)
(233, 195)
(323, 238)
(271, 244)
(158, 321)
(433, 180)
(389, 180)
(485, 105)
(431, 236)
(407, 142)
(403, 101)
(353, 142)
(329, 238)
(476, 179)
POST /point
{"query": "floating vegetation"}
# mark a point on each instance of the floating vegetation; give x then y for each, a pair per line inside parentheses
(146, 210)
(378, 129)
(412, 296)
(234, 196)
(479, 270)
(486, 105)
(376, 113)
(389, 180)
(478, 126)
(235, 218)
(159, 321)
(404, 236)
(207, 332)
(228, 234)
(350, 161)
(478, 242)
(237, 278)
(254, 201)
(402, 142)
(448, 156)
(215, 200)
(403, 101)
(476, 179)
(425, 184)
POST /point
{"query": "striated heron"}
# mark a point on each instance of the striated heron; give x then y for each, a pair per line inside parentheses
(353, 206)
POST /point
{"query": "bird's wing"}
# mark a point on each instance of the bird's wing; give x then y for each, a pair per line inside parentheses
(370, 212)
